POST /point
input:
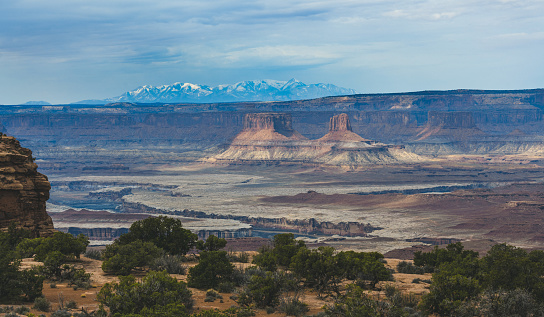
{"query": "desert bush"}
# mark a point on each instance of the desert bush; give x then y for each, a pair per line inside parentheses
(293, 307)
(409, 268)
(61, 313)
(169, 263)
(22, 310)
(94, 254)
(226, 287)
(71, 304)
(242, 257)
(212, 295)
(42, 304)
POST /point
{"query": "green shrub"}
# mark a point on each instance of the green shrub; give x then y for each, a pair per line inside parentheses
(212, 269)
(409, 268)
(42, 304)
(164, 232)
(94, 254)
(71, 304)
(61, 313)
(293, 307)
(226, 287)
(157, 292)
(22, 310)
(169, 263)
(121, 259)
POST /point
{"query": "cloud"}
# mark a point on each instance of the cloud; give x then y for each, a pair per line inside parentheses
(133, 41)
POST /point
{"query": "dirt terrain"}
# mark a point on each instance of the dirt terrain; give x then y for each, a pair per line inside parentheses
(86, 299)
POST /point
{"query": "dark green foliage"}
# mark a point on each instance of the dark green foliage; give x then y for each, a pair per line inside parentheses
(409, 268)
(461, 280)
(355, 302)
(42, 304)
(323, 270)
(231, 312)
(169, 263)
(318, 268)
(366, 267)
(165, 232)
(22, 310)
(157, 293)
(508, 303)
(293, 307)
(212, 269)
(13, 282)
(284, 248)
(121, 259)
(263, 290)
(453, 252)
(213, 243)
(65, 243)
(14, 236)
(507, 267)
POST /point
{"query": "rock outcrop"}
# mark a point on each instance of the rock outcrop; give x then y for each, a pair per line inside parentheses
(23, 191)
(268, 127)
(340, 130)
(269, 138)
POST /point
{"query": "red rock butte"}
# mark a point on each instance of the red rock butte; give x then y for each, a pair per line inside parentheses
(268, 127)
(340, 130)
(270, 137)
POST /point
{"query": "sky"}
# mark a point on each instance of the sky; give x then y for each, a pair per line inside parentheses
(64, 51)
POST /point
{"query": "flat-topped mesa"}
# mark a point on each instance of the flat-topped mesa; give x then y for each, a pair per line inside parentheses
(340, 130)
(268, 127)
(23, 191)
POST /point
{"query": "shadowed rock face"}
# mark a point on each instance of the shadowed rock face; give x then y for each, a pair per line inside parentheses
(23, 191)
(340, 123)
(340, 130)
(269, 127)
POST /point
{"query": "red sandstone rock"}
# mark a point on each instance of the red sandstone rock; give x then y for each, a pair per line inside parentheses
(340, 130)
(268, 127)
(23, 191)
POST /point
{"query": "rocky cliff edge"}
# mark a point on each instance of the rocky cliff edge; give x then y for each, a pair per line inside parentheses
(23, 191)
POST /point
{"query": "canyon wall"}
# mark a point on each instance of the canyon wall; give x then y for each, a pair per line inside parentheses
(88, 137)
(23, 191)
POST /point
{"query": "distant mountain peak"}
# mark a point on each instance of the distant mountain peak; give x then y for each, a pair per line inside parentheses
(252, 90)
(36, 103)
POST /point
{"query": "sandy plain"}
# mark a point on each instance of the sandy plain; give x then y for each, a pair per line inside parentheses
(470, 198)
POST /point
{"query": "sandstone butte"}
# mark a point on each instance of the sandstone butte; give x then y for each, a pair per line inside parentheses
(23, 191)
(270, 137)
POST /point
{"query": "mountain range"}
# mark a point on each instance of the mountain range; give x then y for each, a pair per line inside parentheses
(254, 90)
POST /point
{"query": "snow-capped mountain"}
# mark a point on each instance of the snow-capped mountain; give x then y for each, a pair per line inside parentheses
(255, 90)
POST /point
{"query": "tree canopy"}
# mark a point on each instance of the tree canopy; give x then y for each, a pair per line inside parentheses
(165, 232)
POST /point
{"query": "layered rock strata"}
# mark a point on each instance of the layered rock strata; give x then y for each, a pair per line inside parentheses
(269, 138)
(23, 191)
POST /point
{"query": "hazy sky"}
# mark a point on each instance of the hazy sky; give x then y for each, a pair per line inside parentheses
(68, 50)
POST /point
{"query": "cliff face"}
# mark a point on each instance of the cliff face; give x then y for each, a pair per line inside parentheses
(340, 130)
(269, 127)
(23, 191)
(261, 143)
